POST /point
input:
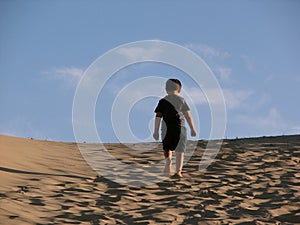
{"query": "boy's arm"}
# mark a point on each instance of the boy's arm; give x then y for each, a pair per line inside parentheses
(190, 121)
(156, 125)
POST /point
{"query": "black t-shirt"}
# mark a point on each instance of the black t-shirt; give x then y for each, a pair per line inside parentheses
(172, 108)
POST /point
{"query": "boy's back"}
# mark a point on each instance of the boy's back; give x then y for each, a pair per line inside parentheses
(172, 108)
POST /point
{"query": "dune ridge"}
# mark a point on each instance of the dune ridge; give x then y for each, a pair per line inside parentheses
(251, 181)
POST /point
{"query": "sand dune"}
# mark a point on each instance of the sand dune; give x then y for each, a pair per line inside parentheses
(251, 181)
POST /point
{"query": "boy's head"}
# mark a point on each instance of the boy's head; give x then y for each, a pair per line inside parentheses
(173, 85)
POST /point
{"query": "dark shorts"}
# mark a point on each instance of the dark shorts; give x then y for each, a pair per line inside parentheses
(174, 139)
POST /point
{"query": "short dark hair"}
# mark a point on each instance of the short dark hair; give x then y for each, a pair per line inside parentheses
(172, 84)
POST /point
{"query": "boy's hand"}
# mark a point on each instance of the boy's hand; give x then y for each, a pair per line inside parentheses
(193, 133)
(156, 136)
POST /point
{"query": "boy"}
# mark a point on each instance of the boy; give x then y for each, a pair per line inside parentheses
(173, 109)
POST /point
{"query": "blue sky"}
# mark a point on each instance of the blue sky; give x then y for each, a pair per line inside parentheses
(252, 47)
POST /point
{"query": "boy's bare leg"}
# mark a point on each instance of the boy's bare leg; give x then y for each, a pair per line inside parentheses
(168, 157)
(179, 162)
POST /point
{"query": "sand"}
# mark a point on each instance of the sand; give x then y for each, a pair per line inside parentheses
(251, 181)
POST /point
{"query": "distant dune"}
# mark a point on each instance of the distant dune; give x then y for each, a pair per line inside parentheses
(251, 181)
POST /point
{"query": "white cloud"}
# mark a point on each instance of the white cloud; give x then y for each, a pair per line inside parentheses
(233, 98)
(139, 53)
(69, 75)
(207, 51)
(194, 95)
(144, 53)
(215, 58)
(223, 71)
(269, 124)
(236, 98)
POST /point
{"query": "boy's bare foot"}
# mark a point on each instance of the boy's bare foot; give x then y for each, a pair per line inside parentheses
(168, 166)
(177, 176)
